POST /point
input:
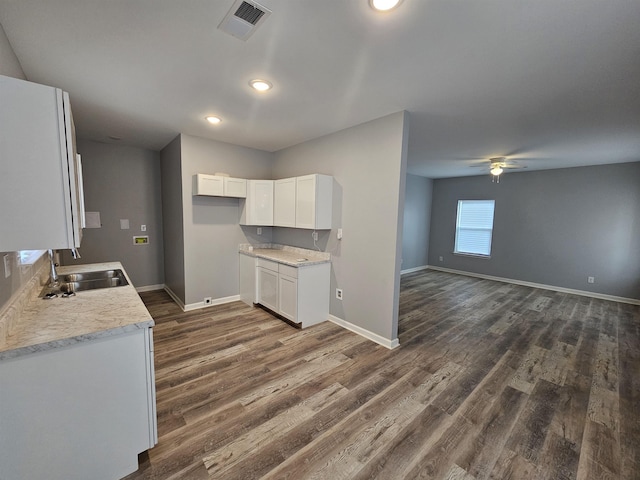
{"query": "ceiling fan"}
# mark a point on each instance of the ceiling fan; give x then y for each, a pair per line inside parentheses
(497, 165)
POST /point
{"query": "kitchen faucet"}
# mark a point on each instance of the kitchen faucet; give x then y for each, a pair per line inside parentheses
(53, 275)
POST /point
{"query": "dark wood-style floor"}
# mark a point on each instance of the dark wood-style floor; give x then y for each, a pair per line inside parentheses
(490, 381)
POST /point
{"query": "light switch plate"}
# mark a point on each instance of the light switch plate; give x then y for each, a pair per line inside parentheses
(124, 224)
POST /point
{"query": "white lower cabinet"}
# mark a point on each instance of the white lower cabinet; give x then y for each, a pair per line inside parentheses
(82, 411)
(288, 297)
(268, 285)
(299, 294)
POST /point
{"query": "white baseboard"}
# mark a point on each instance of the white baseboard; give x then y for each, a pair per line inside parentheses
(374, 337)
(215, 301)
(150, 288)
(414, 269)
(584, 293)
(174, 297)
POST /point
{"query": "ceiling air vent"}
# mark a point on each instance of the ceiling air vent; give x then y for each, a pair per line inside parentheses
(244, 18)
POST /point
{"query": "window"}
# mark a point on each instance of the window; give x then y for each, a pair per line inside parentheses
(474, 227)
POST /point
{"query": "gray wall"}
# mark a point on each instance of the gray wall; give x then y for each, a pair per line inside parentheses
(9, 64)
(10, 67)
(122, 182)
(172, 219)
(211, 229)
(368, 163)
(417, 220)
(554, 227)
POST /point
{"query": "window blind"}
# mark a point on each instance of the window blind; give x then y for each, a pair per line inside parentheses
(474, 227)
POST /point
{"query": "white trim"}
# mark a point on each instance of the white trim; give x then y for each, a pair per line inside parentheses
(602, 296)
(374, 337)
(150, 288)
(174, 297)
(414, 269)
(215, 301)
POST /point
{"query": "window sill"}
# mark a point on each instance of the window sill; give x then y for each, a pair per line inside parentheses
(472, 255)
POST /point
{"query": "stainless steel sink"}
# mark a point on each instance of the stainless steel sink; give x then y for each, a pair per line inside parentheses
(77, 282)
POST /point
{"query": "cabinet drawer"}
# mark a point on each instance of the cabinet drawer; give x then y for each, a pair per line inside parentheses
(287, 270)
(268, 264)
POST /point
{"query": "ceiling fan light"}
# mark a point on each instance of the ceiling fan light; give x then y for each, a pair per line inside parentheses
(496, 170)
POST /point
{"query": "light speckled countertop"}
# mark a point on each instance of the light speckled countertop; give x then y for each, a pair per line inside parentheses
(293, 256)
(91, 314)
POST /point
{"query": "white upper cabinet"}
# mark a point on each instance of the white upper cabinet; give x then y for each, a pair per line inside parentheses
(297, 202)
(235, 187)
(284, 207)
(219, 186)
(257, 208)
(40, 174)
(314, 195)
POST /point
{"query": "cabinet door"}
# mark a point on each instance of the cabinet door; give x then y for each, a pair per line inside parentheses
(306, 201)
(288, 297)
(268, 288)
(257, 209)
(37, 173)
(211, 185)
(263, 202)
(88, 407)
(284, 209)
(235, 187)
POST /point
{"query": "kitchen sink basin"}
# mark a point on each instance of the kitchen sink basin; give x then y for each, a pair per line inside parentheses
(77, 282)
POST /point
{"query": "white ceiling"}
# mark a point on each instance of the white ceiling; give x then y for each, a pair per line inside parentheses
(555, 83)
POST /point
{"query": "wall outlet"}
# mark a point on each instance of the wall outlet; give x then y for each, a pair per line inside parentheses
(207, 300)
(441, 258)
(339, 293)
(591, 279)
(7, 266)
(259, 230)
(339, 234)
(143, 228)
(315, 236)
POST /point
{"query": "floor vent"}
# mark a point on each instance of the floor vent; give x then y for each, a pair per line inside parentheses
(243, 19)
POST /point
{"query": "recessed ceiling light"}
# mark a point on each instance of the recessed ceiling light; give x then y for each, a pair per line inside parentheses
(213, 119)
(384, 5)
(260, 85)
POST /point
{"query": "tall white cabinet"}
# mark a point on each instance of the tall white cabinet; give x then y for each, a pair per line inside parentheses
(40, 175)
